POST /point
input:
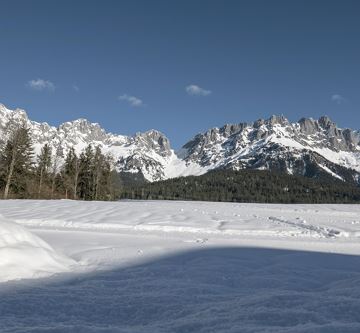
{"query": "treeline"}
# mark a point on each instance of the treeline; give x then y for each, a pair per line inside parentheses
(23, 174)
(246, 186)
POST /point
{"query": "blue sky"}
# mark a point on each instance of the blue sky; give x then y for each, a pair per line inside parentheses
(180, 66)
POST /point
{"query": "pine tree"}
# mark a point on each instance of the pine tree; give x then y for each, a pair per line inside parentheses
(17, 160)
(86, 174)
(98, 164)
(43, 165)
(71, 170)
(103, 180)
(55, 167)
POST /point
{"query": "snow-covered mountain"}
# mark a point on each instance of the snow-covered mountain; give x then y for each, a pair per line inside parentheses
(314, 148)
(148, 153)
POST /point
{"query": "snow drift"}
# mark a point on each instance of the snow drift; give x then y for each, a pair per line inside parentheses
(24, 255)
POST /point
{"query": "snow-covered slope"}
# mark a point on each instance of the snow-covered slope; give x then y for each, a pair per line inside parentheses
(313, 148)
(25, 255)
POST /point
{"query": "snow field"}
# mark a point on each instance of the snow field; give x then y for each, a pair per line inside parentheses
(183, 267)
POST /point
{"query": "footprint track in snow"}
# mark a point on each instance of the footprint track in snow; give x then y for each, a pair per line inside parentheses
(304, 226)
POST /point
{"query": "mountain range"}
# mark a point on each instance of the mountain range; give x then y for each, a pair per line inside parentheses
(309, 147)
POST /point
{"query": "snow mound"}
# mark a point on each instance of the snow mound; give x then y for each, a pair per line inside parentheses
(24, 255)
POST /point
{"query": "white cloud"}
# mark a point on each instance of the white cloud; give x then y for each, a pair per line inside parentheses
(195, 90)
(338, 99)
(40, 84)
(132, 100)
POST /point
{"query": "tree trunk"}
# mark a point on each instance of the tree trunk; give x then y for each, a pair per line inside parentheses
(53, 176)
(75, 183)
(97, 185)
(52, 186)
(40, 183)
(8, 180)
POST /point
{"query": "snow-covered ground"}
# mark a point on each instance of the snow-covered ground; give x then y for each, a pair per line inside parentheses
(147, 266)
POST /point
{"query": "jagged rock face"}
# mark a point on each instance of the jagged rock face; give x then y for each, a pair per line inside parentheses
(308, 126)
(89, 131)
(153, 140)
(314, 148)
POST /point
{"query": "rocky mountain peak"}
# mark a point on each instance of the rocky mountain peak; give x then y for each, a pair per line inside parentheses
(308, 125)
(154, 140)
(231, 129)
(89, 131)
(273, 120)
(276, 119)
(17, 114)
(326, 123)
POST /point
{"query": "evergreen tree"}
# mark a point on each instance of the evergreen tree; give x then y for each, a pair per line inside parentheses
(71, 173)
(55, 167)
(43, 165)
(16, 160)
(103, 179)
(86, 174)
(98, 164)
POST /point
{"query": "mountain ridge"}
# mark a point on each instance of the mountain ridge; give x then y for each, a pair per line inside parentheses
(308, 147)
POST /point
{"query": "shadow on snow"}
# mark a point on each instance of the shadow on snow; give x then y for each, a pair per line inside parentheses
(209, 290)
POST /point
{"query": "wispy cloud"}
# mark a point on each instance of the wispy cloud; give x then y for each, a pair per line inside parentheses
(132, 100)
(75, 87)
(40, 85)
(338, 99)
(195, 90)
